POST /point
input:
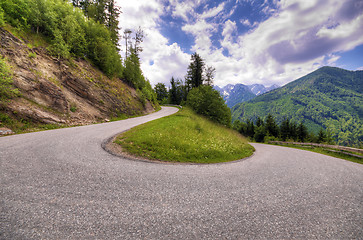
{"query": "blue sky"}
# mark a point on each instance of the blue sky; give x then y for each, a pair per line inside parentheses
(247, 41)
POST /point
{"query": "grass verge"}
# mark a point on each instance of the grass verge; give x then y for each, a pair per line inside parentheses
(185, 137)
(328, 152)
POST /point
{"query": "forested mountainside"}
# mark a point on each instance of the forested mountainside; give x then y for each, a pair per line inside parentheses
(329, 98)
(61, 66)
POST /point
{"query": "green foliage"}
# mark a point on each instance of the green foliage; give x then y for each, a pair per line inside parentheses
(260, 133)
(269, 130)
(7, 90)
(73, 107)
(150, 94)
(271, 127)
(161, 92)
(194, 76)
(132, 73)
(70, 33)
(185, 137)
(16, 12)
(206, 101)
(321, 136)
(2, 20)
(327, 98)
(177, 92)
(32, 55)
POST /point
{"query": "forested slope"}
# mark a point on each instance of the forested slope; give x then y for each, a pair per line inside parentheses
(328, 98)
(62, 65)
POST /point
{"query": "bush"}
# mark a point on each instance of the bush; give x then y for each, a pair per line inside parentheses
(206, 101)
(7, 89)
(2, 21)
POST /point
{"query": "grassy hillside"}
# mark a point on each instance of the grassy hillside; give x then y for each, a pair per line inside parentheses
(185, 137)
(326, 98)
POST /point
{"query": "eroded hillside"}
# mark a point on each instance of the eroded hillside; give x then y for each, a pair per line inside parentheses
(58, 91)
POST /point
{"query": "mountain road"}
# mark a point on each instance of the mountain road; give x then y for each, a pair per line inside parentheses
(61, 184)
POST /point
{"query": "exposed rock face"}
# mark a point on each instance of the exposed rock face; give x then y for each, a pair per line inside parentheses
(62, 91)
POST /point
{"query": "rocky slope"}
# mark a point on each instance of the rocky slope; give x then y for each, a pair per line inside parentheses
(63, 91)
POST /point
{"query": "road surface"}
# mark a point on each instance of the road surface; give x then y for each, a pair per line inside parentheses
(61, 184)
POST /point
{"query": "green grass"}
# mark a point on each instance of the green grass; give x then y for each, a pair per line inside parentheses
(325, 151)
(185, 137)
(19, 126)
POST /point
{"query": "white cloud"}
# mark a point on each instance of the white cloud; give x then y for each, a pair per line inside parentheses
(167, 58)
(297, 38)
(301, 37)
(213, 11)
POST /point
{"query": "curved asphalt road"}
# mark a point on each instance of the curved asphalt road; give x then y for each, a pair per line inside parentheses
(61, 184)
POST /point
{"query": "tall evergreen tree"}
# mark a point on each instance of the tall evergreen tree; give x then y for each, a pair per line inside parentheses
(194, 76)
(321, 136)
(250, 129)
(174, 92)
(113, 13)
(302, 132)
(285, 129)
(271, 126)
(293, 130)
(259, 122)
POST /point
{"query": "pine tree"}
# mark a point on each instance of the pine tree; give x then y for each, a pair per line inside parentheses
(321, 136)
(173, 92)
(113, 13)
(285, 129)
(271, 126)
(293, 131)
(259, 122)
(194, 76)
(250, 131)
(302, 132)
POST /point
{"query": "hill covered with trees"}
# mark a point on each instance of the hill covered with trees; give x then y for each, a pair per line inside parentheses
(328, 98)
(63, 63)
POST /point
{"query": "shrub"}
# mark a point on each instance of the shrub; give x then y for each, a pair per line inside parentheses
(206, 101)
(7, 89)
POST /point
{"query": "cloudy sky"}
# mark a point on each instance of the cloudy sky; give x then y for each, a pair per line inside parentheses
(247, 41)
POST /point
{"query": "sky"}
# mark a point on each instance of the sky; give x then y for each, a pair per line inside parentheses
(246, 41)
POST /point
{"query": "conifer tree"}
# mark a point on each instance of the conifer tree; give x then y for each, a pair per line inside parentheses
(302, 132)
(259, 122)
(194, 76)
(285, 129)
(271, 126)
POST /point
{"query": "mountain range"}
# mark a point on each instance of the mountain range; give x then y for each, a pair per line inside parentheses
(329, 98)
(238, 93)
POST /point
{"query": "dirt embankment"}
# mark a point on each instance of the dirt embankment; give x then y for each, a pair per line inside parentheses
(63, 91)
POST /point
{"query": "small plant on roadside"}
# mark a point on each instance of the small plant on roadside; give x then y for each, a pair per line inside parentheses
(32, 55)
(73, 107)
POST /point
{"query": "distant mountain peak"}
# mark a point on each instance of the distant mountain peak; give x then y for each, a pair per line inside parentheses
(237, 93)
